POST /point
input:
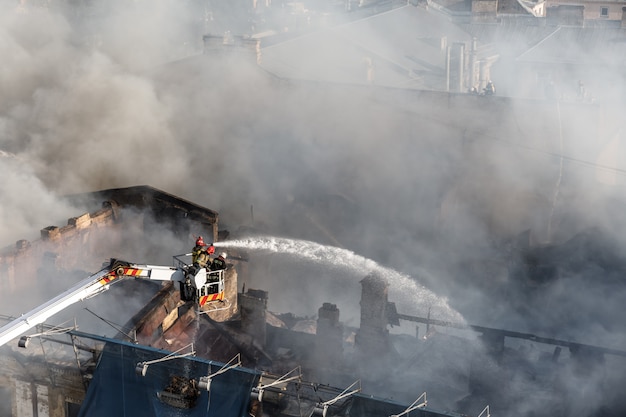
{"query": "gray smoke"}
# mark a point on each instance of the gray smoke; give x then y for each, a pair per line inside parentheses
(100, 97)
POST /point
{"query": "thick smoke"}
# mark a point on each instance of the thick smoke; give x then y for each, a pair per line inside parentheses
(98, 96)
(22, 213)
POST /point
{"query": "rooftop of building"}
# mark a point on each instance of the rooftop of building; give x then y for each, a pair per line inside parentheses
(140, 330)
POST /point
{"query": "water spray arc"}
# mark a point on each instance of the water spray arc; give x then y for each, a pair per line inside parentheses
(404, 289)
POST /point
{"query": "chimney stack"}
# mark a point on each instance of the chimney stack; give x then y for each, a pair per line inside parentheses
(329, 341)
(372, 337)
(253, 308)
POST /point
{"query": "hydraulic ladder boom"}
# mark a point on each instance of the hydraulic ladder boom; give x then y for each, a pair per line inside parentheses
(87, 288)
(202, 286)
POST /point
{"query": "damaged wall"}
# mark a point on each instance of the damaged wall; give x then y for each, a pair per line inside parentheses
(19, 265)
(38, 382)
(91, 238)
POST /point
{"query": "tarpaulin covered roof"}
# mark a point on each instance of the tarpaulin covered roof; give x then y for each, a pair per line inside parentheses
(117, 390)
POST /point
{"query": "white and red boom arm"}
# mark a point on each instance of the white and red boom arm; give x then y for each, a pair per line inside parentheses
(152, 272)
(87, 288)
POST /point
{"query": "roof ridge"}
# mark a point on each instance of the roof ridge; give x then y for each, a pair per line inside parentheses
(539, 43)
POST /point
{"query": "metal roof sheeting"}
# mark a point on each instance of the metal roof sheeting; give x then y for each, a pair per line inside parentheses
(401, 46)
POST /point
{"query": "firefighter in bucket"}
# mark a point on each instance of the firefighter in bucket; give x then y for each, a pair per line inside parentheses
(201, 253)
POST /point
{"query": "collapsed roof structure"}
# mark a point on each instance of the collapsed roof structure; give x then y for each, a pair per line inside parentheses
(168, 346)
(145, 322)
(236, 357)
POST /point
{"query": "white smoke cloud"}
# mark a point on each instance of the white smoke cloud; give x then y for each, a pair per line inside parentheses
(91, 99)
(27, 205)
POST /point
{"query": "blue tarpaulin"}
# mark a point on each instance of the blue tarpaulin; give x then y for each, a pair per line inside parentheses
(116, 390)
(366, 406)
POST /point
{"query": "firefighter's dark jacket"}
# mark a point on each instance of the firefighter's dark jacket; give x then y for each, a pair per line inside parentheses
(218, 263)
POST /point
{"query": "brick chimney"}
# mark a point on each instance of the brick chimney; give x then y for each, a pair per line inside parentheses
(372, 337)
(253, 308)
(329, 340)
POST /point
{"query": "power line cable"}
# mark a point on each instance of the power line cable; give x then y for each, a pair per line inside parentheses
(557, 155)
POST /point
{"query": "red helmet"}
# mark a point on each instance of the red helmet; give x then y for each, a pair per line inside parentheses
(211, 249)
(199, 241)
